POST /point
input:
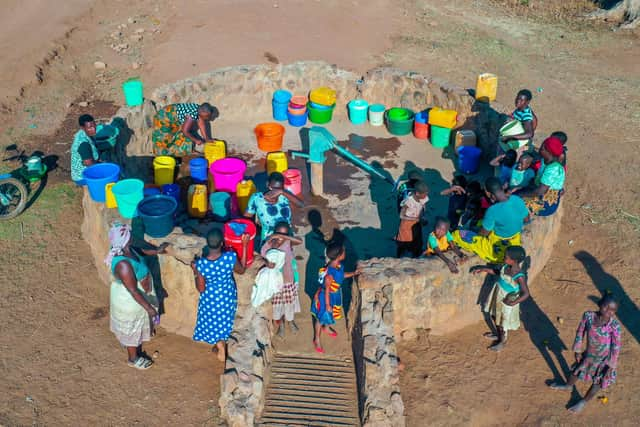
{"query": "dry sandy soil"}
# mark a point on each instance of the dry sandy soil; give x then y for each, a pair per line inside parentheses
(60, 364)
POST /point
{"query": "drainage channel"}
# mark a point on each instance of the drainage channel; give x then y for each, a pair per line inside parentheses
(311, 391)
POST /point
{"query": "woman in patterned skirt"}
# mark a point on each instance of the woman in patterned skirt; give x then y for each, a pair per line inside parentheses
(598, 359)
(176, 126)
(286, 302)
(218, 293)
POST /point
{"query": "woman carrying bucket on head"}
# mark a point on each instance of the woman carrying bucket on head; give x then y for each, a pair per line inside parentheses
(178, 129)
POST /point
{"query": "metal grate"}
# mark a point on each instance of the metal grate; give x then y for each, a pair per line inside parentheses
(311, 391)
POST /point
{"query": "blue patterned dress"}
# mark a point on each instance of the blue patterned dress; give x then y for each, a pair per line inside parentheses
(219, 301)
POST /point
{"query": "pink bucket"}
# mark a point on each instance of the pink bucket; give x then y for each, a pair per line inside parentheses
(293, 181)
(227, 173)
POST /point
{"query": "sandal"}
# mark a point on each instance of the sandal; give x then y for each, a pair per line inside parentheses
(318, 348)
(490, 336)
(140, 363)
(329, 331)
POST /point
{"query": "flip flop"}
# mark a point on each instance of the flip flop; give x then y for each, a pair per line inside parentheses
(490, 335)
(331, 332)
(140, 363)
(318, 349)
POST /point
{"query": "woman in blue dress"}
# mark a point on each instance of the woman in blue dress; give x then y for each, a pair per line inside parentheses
(218, 293)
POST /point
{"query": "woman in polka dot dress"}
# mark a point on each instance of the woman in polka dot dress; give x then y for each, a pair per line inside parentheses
(218, 294)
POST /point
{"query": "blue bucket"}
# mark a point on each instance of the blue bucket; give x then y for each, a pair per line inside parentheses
(99, 175)
(279, 110)
(157, 215)
(320, 106)
(151, 191)
(469, 159)
(422, 117)
(172, 190)
(358, 111)
(282, 96)
(297, 119)
(198, 168)
(220, 203)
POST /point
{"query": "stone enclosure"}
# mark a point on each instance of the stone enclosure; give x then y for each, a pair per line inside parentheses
(393, 300)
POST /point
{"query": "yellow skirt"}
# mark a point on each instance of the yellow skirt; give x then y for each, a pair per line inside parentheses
(490, 248)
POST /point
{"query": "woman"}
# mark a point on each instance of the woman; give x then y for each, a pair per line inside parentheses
(286, 302)
(597, 355)
(176, 126)
(218, 293)
(525, 115)
(133, 300)
(544, 199)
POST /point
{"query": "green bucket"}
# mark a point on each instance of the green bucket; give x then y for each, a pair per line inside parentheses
(440, 136)
(320, 116)
(398, 126)
(132, 89)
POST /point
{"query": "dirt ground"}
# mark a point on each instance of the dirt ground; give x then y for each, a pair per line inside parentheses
(62, 366)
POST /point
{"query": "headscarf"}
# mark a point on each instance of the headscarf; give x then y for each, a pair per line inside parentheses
(554, 146)
(119, 236)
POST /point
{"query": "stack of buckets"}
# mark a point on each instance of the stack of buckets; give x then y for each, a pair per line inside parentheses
(297, 111)
(280, 104)
(322, 101)
(441, 122)
(421, 125)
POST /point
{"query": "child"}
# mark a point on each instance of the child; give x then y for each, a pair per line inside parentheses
(598, 359)
(521, 174)
(506, 162)
(440, 241)
(326, 306)
(286, 302)
(507, 294)
(409, 237)
(408, 186)
(457, 200)
(477, 204)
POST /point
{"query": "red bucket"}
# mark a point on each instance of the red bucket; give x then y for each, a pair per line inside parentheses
(234, 242)
(293, 181)
(420, 130)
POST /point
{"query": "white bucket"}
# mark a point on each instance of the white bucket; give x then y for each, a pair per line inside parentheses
(376, 114)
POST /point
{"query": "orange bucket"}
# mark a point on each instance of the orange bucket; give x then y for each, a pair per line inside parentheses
(269, 136)
(299, 100)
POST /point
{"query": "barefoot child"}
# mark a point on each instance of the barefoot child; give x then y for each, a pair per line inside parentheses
(521, 174)
(408, 187)
(409, 237)
(440, 241)
(326, 306)
(286, 302)
(507, 294)
(597, 359)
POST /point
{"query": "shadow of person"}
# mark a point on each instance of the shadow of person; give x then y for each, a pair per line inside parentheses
(315, 244)
(605, 283)
(152, 261)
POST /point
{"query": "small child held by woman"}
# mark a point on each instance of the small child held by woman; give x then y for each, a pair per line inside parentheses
(326, 306)
(409, 237)
(441, 241)
(508, 292)
(521, 174)
(505, 162)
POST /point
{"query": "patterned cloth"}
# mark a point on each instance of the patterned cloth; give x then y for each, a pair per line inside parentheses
(168, 138)
(600, 358)
(219, 301)
(318, 305)
(521, 178)
(507, 317)
(551, 175)
(490, 248)
(525, 115)
(76, 159)
(269, 214)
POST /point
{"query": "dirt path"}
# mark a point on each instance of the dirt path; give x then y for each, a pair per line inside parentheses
(61, 365)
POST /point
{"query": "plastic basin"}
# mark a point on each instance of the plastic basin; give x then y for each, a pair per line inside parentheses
(227, 173)
(320, 106)
(468, 159)
(400, 126)
(107, 137)
(513, 127)
(358, 111)
(376, 114)
(320, 116)
(128, 193)
(97, 177)
(157, 213)
(298, 101)
(133, 89)
(440, 136)
(269, 136)
(323, 96)
(233, 241)
(399, 114)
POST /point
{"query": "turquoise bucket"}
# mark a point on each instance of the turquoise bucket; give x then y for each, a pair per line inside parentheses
(128, 193)
(358, 111)
(132, 89)
(220, 202)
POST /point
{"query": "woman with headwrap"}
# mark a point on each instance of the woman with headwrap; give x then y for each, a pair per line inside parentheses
(544, 198)
(132, 298)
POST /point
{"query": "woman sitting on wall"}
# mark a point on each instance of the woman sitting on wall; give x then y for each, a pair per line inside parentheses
(176, 127)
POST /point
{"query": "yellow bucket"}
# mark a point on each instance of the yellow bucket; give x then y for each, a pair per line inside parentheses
(110, 199)
(197, 201)
(443, 118)
(163, 170)
(487, 87)
(276, 162)
(215, 150)
(244, 191)
(323, 96)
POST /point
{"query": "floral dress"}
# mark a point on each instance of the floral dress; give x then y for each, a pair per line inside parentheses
(600, 358)
(167, 136)
(219, 301)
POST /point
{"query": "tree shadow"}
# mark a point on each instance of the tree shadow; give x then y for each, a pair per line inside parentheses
(605, 283)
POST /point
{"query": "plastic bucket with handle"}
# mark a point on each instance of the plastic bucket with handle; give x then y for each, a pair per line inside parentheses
(98, 176)
(163, 170)
(227, 173)
(128, 193)
(358, 111)
(233, 231)
(133, 89)
(157, 213)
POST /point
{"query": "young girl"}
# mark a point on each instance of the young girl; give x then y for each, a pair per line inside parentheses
(440, 241)
(326, 306)
(506, 162)
(408, 187)
(286, 302)
(597, 360)
(507, 294)
(409, 237)
(521, 174)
